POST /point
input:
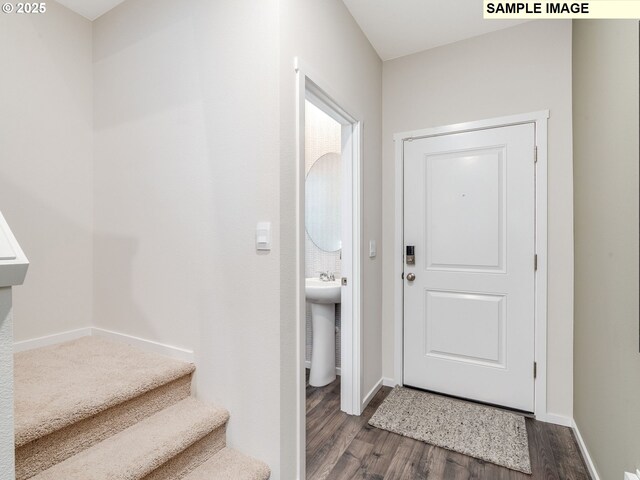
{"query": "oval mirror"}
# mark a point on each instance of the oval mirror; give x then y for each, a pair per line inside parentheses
(322, 202)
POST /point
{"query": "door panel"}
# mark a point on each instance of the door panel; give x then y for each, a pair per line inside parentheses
(469, 210)
(465, 327)
(465, 193)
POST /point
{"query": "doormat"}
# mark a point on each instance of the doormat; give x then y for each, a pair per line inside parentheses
(479, 431)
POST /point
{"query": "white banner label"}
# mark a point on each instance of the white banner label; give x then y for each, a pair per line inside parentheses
(547, 9)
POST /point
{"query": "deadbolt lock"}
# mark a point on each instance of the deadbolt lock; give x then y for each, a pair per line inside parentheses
(411, 256)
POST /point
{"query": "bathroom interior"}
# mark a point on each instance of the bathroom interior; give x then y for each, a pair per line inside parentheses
(323, 247)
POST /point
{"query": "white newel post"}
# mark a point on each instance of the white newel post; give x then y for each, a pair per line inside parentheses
(13, 268)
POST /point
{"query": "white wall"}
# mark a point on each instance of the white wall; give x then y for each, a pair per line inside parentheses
(186, 163)
(327, 40)
(607, 362)
(46, 176)
(517, 70)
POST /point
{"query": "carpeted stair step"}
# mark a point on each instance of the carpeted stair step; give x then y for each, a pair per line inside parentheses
(229, 464)
(164, 446)
(73, 395)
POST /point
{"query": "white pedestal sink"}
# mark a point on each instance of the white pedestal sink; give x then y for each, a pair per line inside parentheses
(323, 297)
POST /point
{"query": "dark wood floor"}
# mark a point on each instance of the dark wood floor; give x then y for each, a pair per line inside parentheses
(340, 446)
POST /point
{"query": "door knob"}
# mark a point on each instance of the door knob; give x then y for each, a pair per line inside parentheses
(411, 277)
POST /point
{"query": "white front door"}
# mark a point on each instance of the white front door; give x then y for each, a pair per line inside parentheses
(469, 213)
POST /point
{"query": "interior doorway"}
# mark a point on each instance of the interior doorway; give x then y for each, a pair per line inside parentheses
(336, 240)
(323, 246)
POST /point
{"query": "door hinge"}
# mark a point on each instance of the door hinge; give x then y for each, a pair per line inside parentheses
(535, 154)
(535, 262)
(535, 369)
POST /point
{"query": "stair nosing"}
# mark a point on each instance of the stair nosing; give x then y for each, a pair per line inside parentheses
(257, 465)
(31, 428)
(216, 417)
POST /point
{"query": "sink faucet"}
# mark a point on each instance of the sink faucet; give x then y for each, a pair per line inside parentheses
(327, 276)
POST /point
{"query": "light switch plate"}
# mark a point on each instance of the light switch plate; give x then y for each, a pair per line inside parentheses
(372, 249)
(263, 236)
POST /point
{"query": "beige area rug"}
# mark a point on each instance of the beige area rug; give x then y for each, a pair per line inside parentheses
(479, 431)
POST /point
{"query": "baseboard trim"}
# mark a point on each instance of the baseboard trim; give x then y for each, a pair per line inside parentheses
(371, 394)
(48, 340)
(146, 345)
(178, 353)
(307, 365)
(389, 382)
(555, 419)
(585, 453)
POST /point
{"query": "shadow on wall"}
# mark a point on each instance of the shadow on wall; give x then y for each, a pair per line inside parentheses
(57, 292)
(122, 252)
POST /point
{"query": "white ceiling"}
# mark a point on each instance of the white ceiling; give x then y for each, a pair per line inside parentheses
(90, 9)
(394, 27)
(400, 27)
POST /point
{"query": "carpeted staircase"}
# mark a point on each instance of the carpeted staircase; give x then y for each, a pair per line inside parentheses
(91, 409)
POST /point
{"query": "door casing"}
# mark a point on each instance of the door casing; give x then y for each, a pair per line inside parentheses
(310, 86)
(540, 120)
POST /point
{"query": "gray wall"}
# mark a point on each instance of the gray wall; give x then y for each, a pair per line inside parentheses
(607, 362)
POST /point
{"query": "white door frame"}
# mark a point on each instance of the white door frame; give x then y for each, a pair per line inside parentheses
(310, 87)
(540, 120)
